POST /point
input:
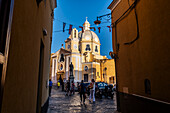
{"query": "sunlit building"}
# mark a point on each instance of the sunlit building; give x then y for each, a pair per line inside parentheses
(83, 50)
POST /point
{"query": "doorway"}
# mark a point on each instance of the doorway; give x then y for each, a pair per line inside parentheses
(40, 78)
(85, 77)
(6, 13)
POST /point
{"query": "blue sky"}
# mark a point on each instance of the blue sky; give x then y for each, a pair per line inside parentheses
(75, 12)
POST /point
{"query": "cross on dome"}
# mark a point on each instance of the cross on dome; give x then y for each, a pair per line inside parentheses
(86, 25)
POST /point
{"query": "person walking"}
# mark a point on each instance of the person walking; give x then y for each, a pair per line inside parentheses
(62, 84)
(92, 91)
(58, 84)
(68, 88)
(50, 86)
(72, 87)
(82, 92)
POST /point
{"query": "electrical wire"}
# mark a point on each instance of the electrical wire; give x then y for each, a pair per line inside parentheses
(125, 14)
(137, 27)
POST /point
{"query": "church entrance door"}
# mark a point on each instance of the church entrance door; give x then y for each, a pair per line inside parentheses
(85, 77)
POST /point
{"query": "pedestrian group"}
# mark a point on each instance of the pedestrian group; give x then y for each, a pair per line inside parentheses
(70, 89)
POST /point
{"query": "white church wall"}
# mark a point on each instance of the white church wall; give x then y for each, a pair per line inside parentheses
(68, 60)
(54, 68)
(80, 76)
(52, 76)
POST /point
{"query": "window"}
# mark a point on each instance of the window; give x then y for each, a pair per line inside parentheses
(147, 86)
(111, 80)
(68, 46)
(87, 47)
(85, 68)
(62, 58)
(96, 50)
(74, 33)
(98, 74)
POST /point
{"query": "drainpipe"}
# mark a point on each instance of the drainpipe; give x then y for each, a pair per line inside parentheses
(116, 57)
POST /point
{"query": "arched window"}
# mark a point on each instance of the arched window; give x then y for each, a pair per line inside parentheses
(147, 86)
(85, 68)
(96, 49)
(74, 33)
(87, 47)
(62, 58)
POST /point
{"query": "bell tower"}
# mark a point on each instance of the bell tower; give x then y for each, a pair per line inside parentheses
(74, 41)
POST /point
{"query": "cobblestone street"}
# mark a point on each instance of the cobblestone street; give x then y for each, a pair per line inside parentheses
(59, 103)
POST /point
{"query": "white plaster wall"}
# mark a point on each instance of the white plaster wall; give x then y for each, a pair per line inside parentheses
(80, 76)
(54, 76)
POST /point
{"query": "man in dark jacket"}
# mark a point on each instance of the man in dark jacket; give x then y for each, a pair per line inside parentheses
(82, 92)
(50, 87)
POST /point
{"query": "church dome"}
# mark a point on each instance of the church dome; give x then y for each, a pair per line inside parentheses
(88, 35)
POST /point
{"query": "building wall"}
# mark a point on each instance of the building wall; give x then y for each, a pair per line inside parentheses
(20, 91)
(89, 71)
(75, 62)
(110, 72)
(83, 46)
(98, 47)
(148, 57)
(97, 72)
(50, 74)
(66, 46)
(54, 69)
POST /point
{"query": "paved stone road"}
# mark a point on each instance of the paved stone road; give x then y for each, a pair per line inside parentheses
(59, 103)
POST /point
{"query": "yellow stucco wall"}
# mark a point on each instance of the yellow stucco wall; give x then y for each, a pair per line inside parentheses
(148, 57)
(110, 72)
(92, 46)
(97, 72)
(83, 46)
(66, 46)
(89, 71)
(20, 90)
(98, 47)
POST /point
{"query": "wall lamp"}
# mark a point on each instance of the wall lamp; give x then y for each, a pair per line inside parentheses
(113, 55)
(99, 18)
(44, 32)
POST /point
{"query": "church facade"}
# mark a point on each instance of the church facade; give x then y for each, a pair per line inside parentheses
(83, 50)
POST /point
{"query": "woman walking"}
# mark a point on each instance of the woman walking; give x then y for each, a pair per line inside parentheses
(92, 91)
